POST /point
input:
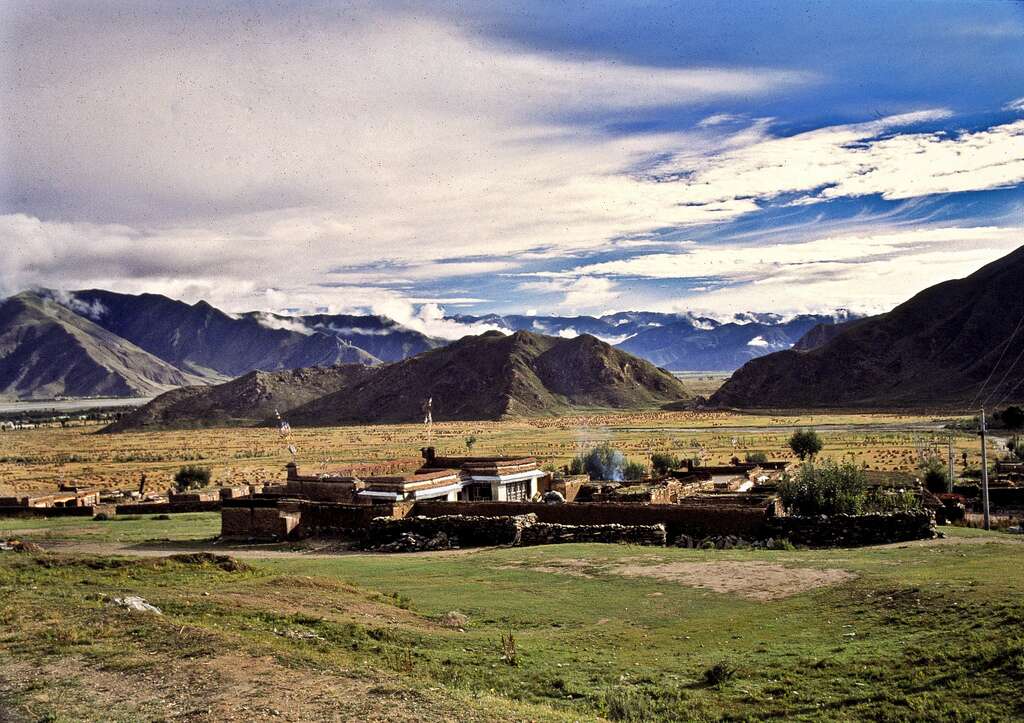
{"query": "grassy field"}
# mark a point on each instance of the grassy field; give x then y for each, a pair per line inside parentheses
(923, 631)
(36, 460)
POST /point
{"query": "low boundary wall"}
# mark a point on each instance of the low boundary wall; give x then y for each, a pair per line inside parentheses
(745, 522)
(854, 530)
(168, 508)
(89, 511)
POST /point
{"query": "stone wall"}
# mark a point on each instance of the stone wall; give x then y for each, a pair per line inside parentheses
(168, 508)
(697, 521)
(545, 533)
(465, 530)
(853, 530)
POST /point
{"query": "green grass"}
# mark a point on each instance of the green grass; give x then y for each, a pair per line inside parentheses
(127, 529)
(922, 632)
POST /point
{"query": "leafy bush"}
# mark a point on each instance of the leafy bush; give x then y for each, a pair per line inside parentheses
(634, 471)
(825, 489)
(663, 462)
(192, 477)
(756, 457)
(470, 442)
(879, 500)
(935, 476)
(576, 466)
(805, 443)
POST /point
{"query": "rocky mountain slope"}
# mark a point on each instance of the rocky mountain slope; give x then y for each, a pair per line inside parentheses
(47, 350)
(246, 400)
(937, 349)
(493, 376)
(204, 340)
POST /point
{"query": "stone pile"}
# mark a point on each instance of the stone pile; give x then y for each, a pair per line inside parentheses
(729, 542)
(543, 533)
(411, 542)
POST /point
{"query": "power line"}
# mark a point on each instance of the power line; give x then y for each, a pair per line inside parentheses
(1005, 375)
(1006, 396)
(1006, 348)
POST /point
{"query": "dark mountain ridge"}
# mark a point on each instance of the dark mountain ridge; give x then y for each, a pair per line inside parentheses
(936, 349)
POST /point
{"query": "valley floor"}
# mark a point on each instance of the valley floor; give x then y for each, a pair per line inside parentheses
(34, 461)
(919, 631)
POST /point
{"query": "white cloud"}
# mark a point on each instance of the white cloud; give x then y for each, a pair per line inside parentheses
(869, 271)
(577, 294)
(759, 341)
(429, 319)
(272, 321)
(1017, 104)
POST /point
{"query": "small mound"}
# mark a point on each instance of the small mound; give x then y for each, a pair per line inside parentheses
(224, 562)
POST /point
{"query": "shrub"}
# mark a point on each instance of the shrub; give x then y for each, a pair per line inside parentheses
(805, 443)
(634, 471)
(719, 674)
(663, 462)
(470, 442)
(576, 466)
(935, 476)
(509, 649)
(192, 477)
(879, 500)
(756, 457)
(825, 489)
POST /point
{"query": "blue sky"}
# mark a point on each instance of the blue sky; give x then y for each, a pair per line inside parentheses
(421, 158)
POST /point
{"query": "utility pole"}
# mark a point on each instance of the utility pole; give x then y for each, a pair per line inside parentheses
(984, 473)
(949, 483)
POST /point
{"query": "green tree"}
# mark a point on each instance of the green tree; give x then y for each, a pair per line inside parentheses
(663, 462)
(1013, 417)
(634, 471)
(825, 489)
(192, 477)
(805, 443)
(604, 462)
(470, 442)
(756, 457)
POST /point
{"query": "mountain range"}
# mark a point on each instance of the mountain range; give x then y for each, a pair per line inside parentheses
(681, 342)
(141, 345)
(487, 377)
(959, 343)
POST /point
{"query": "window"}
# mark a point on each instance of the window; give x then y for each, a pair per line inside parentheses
(518, 491)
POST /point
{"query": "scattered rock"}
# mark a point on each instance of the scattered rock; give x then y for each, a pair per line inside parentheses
(21, 546)
(454, 619)
(135, 604)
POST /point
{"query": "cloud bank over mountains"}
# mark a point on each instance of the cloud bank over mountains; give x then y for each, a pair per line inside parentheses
(378, 158)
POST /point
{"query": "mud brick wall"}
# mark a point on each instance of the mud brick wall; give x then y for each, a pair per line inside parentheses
(258, 522)
(544, 533)
(470, 531)
(18, 511)
(854, 530)
(327, 519)
(168, 508)
(746, 522)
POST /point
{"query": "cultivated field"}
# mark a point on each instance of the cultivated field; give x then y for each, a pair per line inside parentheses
(920, 631)
(36, 460)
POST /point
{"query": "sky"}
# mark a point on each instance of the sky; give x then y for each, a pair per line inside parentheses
(425, 158)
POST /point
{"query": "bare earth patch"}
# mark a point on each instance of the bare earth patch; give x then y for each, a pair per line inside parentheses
(753, 580)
